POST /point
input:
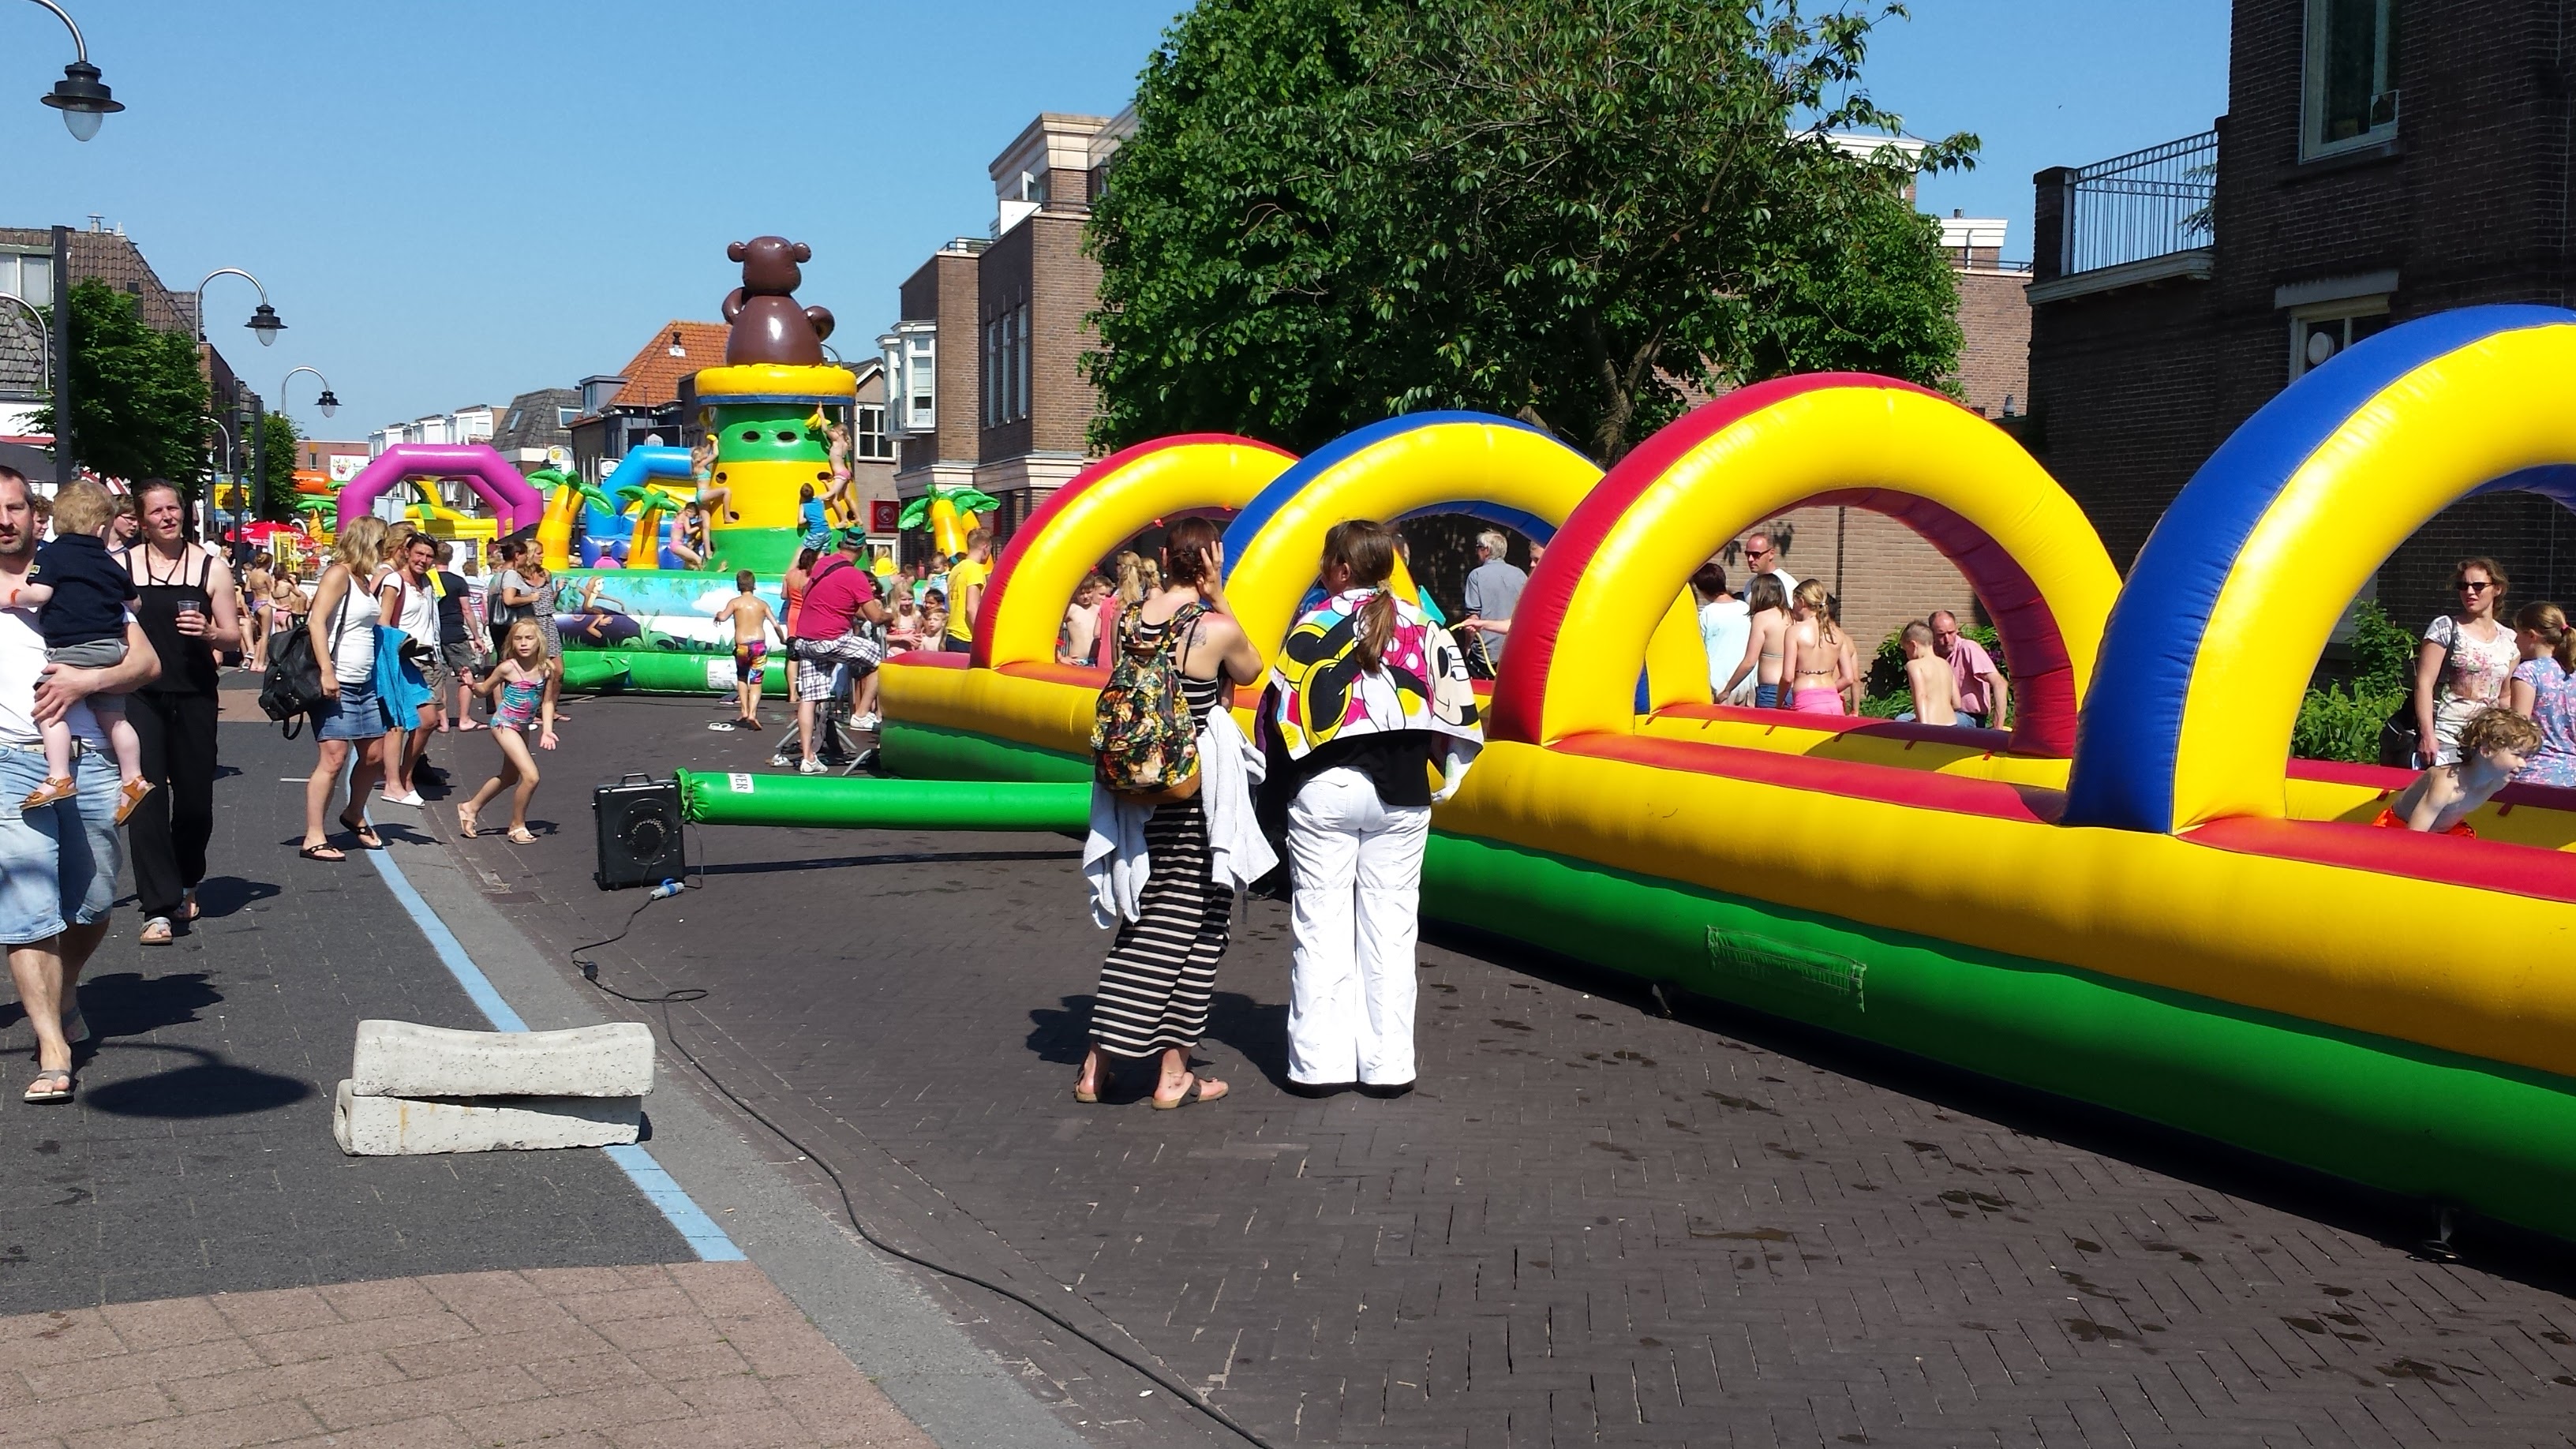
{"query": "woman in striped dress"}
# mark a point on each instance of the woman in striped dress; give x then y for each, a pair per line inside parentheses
(1154, 988)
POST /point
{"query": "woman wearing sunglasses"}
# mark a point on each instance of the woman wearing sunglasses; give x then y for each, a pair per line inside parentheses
(2463, 663)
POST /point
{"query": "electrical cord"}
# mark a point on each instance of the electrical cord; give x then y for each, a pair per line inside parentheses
(849, 1209)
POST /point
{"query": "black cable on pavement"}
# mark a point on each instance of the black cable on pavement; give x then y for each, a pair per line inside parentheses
(849, 1209)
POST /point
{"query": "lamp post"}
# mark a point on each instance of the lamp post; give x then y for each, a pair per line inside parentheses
(259, 445)
(264, 321)
(206, 528)
(79, 95)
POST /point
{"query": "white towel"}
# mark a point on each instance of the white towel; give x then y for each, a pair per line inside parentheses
(1229, 767)
(1114, 860)
(1113, 857)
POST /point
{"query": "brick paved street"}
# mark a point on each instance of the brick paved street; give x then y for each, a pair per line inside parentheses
(1592, 1224)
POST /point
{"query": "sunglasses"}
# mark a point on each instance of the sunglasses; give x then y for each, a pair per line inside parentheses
(2470, 588)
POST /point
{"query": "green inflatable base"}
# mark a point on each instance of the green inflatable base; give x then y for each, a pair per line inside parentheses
(2496, 1139)
(658, 671)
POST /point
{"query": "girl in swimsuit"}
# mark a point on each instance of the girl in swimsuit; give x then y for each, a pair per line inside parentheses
(1818, 652)
(522, 690)
(1765, 644)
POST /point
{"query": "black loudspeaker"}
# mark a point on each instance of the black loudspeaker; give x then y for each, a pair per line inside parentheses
(639, 833)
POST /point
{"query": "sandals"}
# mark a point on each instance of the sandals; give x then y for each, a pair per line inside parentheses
(128, 796)
(366, 833)
(59, 1090)
(521, 835)
(1196, 1092)
(465, 822)
(56, 788)
(156, 932)
(325, 852)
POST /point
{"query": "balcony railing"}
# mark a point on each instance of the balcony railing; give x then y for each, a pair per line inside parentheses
(2132, 208)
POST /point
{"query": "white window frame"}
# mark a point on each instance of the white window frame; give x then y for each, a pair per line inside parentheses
(869, 437)
(1020, 332)
(911, 354)
(2312, 83)
(2333, 318)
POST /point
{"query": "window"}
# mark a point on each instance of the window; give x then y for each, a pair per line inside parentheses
(869, 438)
(564, 416)
(2351, 85)
(2318, 333)
(28, 276)
(1006, 366)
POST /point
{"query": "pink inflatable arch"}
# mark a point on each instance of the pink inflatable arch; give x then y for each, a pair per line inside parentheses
(515, 502)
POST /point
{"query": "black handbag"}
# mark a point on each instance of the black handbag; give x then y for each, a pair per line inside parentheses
(291, 690)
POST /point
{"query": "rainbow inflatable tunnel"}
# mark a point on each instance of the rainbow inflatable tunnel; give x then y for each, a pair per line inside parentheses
(2135, 900)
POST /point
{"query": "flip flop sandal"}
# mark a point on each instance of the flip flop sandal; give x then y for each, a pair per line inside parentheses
(156, 932)
(1196, 1093)
(39, 1091)
(521, 837)
(326, 853)
(366, 833)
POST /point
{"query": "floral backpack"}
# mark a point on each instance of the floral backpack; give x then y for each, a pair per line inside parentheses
(1144, 745)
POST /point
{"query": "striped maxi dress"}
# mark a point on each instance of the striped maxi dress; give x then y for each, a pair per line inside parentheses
(1154, 988)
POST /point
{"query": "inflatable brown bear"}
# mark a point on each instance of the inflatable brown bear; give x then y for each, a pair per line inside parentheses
(767, 325)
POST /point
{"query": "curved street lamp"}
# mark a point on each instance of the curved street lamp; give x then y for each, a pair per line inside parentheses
(327, 402)
(264, 320)
(83, 101)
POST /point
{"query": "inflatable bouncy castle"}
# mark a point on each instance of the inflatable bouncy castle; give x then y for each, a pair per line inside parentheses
(2135, 899)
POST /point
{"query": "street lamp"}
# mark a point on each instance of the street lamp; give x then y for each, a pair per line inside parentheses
(206, 526)
(79, 95)
(327, 402)
(263, 321)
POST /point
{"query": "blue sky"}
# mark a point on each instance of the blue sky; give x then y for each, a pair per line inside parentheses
(454, 202)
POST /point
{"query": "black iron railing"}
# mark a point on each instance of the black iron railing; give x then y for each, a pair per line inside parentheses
(2149, 203)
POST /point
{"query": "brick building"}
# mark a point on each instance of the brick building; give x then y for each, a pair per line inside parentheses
(2365, 173)
(985, 366)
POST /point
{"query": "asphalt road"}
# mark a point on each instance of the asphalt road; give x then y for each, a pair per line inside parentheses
(1594, 1223)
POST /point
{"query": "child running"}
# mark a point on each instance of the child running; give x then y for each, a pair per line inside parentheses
(752, 625)
(1936, 689)
(2494, 746)
(525, 681)
(81, 594)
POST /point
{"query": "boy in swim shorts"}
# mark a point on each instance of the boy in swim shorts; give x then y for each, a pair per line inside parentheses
(2494, 745)
(752, 625)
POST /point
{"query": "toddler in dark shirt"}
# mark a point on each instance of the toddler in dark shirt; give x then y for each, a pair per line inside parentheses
(81, 593)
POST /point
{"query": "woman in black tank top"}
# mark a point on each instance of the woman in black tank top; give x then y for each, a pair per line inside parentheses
(188, 608)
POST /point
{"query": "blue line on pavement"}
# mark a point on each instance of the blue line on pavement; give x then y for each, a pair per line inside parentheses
(658, 1186)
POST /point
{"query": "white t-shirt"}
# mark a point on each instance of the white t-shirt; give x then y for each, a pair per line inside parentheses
(22, 663)
(1725, 626)
(418, 615)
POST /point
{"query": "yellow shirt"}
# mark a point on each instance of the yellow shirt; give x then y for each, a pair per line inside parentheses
(963, 575)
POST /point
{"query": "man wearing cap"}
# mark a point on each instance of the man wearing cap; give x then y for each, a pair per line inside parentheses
(832, 630)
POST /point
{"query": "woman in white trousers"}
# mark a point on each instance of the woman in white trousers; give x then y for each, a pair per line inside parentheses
(1366, 695)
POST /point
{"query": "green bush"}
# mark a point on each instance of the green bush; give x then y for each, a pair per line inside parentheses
(2336, 723)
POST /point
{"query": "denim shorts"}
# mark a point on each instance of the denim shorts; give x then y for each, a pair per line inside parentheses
(58, 865)
(355, 715)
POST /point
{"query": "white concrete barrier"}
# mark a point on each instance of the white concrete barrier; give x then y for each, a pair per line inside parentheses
(376, 1126)
(404, 1059)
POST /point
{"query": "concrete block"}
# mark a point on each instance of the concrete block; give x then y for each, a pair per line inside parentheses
(412, 1126)
(404, 1059)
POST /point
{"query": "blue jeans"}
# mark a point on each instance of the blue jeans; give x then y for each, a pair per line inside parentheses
(58, 864)
(1766, 696)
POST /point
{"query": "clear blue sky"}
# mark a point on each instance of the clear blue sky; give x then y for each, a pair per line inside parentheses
(454, 202)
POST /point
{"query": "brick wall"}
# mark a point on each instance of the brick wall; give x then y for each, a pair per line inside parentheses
(943, 290)
(2124, 402)
(1066, 286)
(1994, 360)
(1881, 570)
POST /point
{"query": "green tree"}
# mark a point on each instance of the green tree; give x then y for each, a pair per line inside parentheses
(280, 461)
(1334, 210)
(138, 400)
